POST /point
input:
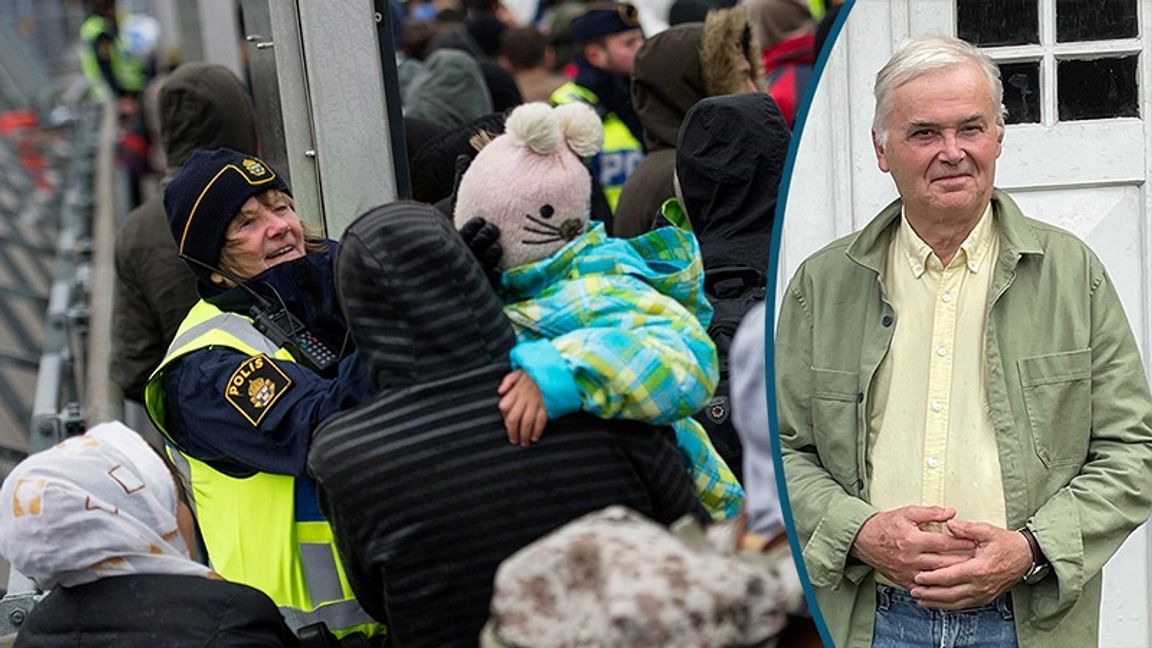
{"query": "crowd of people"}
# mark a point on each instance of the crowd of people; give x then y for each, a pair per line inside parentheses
(527, 406)
(366, 441)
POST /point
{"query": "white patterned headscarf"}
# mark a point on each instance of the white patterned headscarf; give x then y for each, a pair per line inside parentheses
(97, 505)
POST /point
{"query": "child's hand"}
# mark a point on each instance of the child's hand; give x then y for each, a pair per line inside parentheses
(522, 406)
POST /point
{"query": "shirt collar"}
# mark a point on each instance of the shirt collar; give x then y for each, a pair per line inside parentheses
(920, 256)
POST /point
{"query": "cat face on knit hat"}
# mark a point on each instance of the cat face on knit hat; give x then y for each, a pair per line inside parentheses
(531, 182)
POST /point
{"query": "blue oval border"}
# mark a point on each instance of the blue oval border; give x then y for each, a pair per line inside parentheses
(770, 321)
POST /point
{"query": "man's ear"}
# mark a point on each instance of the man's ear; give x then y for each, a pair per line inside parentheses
(596, 55)
(881, 159)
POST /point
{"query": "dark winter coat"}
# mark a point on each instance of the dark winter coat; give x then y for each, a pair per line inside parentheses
(425, 494)
(675, 69)
(159, 611)
(201, 106)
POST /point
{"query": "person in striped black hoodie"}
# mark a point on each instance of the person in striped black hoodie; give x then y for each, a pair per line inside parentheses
(424, 493)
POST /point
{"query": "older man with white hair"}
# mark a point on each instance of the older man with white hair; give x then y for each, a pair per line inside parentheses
(965, 422)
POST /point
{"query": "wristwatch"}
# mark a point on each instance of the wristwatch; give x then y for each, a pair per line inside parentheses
(1040, 566)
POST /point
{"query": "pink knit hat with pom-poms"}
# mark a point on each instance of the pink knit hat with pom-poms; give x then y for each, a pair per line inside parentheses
(531, 182)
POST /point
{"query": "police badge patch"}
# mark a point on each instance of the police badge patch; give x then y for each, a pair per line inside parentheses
(254, 167)
(255, 387)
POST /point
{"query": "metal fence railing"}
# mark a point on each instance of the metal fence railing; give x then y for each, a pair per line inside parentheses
(61, 192)
(71, 363)
(29, 226)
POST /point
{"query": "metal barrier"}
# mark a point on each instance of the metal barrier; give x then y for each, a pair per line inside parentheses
(73, 387)
(23, 80)
(103, 398)
(56, 410)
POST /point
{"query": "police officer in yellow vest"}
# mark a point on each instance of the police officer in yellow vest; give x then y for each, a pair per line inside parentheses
(111, 71)
(607, 37)
(257, 364)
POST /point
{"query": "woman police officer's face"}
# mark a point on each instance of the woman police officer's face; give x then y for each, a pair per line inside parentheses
(266, 232)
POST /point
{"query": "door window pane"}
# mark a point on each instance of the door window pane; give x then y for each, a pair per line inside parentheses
(1077, 20)
(1097, 89)
(1021, 83)
(990, 23)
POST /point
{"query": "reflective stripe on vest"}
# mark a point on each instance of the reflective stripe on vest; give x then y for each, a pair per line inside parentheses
(342, 614)
(240, 328)
(622, 152)
(248, 524)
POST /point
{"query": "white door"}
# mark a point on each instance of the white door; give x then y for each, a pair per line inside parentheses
(1077, 153)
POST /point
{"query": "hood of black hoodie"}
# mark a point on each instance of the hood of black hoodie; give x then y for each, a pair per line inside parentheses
(729, 160)
(204, 106)
(419, 305)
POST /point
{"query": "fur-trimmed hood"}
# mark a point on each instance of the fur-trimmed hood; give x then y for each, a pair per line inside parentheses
(682, 65)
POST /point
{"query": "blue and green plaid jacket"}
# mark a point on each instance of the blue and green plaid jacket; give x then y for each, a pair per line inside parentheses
(617, 328)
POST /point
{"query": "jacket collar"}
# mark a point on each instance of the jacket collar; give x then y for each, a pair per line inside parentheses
(870, 246)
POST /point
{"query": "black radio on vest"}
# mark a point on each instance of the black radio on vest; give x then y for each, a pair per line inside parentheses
(277, 324)
(280, 326)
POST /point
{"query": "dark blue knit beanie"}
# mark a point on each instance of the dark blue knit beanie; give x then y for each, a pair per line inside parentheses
(206, 195)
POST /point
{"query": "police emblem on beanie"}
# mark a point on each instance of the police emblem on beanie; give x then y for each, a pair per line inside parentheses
(531, 183)
(206, 195)
(254, 167)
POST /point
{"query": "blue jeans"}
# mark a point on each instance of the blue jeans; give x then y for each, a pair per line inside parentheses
(901, 623)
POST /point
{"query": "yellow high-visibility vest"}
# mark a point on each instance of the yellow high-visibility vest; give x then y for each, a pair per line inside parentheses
(249, 524)
(124, 67)
(622, 151)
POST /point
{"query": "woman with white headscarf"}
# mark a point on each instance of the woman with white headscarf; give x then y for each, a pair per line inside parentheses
(98, 521)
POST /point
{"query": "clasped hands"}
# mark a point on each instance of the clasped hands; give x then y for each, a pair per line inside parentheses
(972, 566)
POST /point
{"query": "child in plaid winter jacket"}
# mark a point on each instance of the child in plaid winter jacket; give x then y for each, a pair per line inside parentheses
(612, 327)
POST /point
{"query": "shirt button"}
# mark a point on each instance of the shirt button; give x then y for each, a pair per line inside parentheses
(932, 462)
(859, 397)
(917, 268)
(937, 406)
(886, 320)
(941, 351)
(946, 297)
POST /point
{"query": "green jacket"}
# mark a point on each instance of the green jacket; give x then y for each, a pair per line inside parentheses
(1068, 398)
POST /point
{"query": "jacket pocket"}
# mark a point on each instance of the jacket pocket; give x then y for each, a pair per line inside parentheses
(835, 397)
(1057, 391)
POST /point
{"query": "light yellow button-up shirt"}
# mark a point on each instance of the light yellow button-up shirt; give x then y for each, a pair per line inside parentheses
(930, 434)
